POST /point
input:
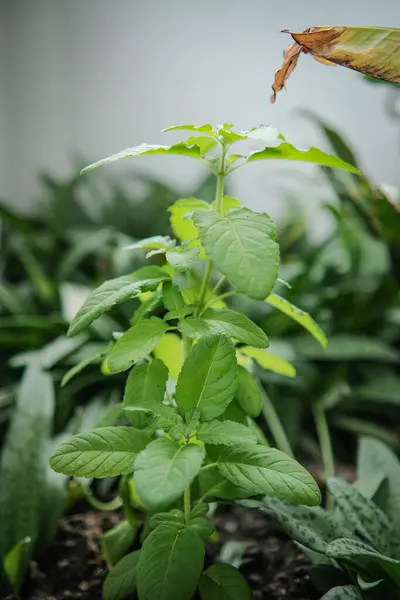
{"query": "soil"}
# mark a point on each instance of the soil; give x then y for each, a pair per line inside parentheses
(73, 568)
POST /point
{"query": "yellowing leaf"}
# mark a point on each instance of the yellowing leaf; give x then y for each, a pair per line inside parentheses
(268, 361)
(170, 351)
(303, 318)
(373, 51)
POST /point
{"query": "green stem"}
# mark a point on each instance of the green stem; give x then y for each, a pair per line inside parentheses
(187, 504)
(209, 466)
(275, 425)
(219, 200)
(110, 506)
(325, 443)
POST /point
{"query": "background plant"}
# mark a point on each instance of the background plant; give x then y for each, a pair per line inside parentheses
(355, 550)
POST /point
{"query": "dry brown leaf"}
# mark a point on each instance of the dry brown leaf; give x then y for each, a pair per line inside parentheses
(373, 51)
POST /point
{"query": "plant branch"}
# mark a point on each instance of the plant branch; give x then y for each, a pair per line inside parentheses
(187, 504)
(275, 425)
(325, 444)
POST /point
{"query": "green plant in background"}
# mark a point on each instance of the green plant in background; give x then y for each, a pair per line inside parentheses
(190, 396)
(349, 282)
(356, 549)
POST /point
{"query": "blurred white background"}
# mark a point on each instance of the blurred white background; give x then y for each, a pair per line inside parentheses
(91, 77)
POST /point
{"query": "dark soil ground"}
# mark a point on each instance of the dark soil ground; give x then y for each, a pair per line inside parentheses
(73, 568)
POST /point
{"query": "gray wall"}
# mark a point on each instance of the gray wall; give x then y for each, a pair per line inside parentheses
(95, 76)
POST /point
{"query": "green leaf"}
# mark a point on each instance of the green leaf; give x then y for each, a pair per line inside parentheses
(183, 259)
(363, 515)
(228, 204)
(342, 549)
(145, 387)
(171, 351)
(380, 387)
(76, 369)
(202, 526)
(299, 316)
(49, 355)
(343, 592)
(235, 325)
(208, 377)
(146, 307)
(207, 128)
(224, 582)
(23, 464)
(116, 542)
(164, 470)
(344, 347)
(170, 564)
(158, 243)
(173, 299)
(15, 563)
(213, 484)
(310, 526)
(114, 292)
(103, 452)
(248, 395)
(269, 361)
(183, 226)
(375, 462)
(262, 470)
(135, 344)
(227, 433)
(121, 581)
(242, 245)
(312, 155)
(235, 413)
(181, 148)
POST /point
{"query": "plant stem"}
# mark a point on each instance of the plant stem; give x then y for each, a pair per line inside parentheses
(275, 425)
(110, 506)
(219, 200)
(187, 504)
(325, 443)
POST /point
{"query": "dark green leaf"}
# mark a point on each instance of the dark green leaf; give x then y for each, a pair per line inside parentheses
(116, 542)
(23, 463)
(342, 549)
(344, 347)
(268, 471)
(114, 292)
(224, 582)
(145, 387)
(235, 325)
(242, 245)
(15, 563)
(170, 564)
(227, 433)
(213, 484)
(343, 592)
(135, 344)
(173, 299)
(121, 581)
(363, 515)
(208, 377)
(103, 452)
(248, 395)
(310, 526)
(164, 470)
(375, 462)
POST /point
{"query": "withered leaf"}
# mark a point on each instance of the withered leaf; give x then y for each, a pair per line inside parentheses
(373, 51)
